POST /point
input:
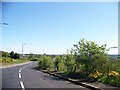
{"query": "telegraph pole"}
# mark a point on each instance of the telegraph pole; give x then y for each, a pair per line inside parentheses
(23, 48)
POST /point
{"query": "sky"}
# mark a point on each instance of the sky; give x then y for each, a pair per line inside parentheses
(53, 27)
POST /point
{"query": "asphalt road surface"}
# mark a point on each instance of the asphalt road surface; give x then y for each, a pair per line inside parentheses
(26, 77)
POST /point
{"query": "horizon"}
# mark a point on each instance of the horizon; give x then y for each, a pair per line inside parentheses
(52, 28)
(44, 53)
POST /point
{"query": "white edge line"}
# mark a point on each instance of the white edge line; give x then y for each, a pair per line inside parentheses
(22, 85)
(19, 75)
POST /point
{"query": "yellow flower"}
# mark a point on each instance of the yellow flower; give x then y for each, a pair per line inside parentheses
(96, 74)
(113, 73)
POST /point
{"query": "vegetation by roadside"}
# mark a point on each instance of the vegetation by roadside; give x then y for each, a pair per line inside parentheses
(86, 62)
(9, 61)
(11, 58)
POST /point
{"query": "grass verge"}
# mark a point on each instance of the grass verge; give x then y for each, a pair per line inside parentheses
(9, 61)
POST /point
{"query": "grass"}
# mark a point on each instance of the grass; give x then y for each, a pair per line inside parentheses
(9, 61)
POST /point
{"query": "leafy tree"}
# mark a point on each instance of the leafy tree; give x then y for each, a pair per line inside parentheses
(16, 56)
(57, 61)
(59, 64)
(12, 54)
(90, 55)
(31, 56)
(70, 61)
(46, 62)
(5, 54)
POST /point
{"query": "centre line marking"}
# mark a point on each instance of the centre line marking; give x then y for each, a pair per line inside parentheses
(20, 70)
(22, 85)
(19, 75)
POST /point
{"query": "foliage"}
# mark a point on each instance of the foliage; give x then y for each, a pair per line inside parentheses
(87, 59)
(59, 64)
(90, 55)
(11, 58)
(5, 54)
(110, 80)
(70, 62)
(46, 62)
(14, 55)
(9, 61)
(113, 74)
(97, 74)
(4, 60)
(31, 57)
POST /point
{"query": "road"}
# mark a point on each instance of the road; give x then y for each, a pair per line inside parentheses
(26, 76)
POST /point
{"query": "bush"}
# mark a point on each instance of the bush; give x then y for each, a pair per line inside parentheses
(4, 60)
(91, 56)
(97, 74)
(5, 54)
(34, 59)
(59, 64)
(14, 55)
(88, 59)
(110, 80)
(46, 63)
(103, 79)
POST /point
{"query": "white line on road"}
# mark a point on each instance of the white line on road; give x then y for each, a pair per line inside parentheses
(22, 85)
(20, 70)
(19, 75)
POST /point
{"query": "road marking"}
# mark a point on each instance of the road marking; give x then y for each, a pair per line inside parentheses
(22, 85)
(19, 75)
(20, 70)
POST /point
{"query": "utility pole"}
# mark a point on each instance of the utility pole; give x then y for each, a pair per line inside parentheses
(23, 48)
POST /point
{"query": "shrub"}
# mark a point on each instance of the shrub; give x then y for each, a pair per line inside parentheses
(110, 80)
(113, 74)
(97, 74)
(46, 63)
(4, 59)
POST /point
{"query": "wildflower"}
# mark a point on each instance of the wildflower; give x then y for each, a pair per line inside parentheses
(96, 74)
(113, 73)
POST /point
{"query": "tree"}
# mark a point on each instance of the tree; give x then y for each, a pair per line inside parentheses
(31, 56)
(57, 61)
(90, 55)
(70, 61)
(59, 64)
(12, 54)
(45, 62)
(16, 56)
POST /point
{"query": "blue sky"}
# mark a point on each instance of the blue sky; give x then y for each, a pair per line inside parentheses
(52, 28)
